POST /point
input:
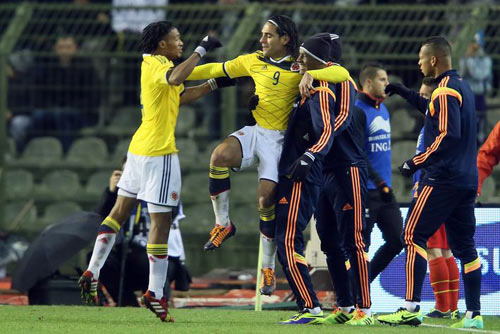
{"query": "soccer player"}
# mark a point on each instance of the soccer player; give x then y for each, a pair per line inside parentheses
(152, 172)
(447, 188)
(308, 139)
(444, 274)
(382, 206)
(276, 78)
(443, 270)
(340, 222)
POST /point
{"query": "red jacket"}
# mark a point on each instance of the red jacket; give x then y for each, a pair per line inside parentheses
(489, 155)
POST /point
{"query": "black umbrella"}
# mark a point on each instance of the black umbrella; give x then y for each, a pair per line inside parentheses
(56, 244)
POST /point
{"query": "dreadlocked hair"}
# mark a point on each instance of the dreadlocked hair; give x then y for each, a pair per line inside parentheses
(153, 34)
(285, 26)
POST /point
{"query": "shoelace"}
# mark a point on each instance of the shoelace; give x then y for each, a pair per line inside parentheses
(268, 277)
(359, 315)
(219, 234)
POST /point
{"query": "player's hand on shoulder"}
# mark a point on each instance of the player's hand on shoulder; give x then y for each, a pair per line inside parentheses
(208, 43)
(305, 85)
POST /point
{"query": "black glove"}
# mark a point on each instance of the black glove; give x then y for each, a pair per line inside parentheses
(408, 168)
(208, 43)
(221, 82)
(253, 101)
(397, 88)
(300, 168)
(385, 191)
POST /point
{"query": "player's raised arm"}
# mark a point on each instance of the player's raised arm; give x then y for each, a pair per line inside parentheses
(180, 73)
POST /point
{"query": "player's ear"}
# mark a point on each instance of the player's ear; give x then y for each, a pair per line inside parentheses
(285, 39)
(162, 44)
(433, 60)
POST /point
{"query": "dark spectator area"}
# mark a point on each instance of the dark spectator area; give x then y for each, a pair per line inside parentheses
(73, 100)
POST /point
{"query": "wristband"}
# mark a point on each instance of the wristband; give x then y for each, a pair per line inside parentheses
(213, 84)
(200, 50)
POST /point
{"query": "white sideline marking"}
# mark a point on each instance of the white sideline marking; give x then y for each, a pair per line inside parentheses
(462, 329)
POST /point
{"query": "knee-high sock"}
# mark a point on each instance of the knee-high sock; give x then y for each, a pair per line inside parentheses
(268, 252)
(268, 230)
(471, 274)
(219, 187)
(440, 282)
(106, 236)
(454, 281)
(158, 267)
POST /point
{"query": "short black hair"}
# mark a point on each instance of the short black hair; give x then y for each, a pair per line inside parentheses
(153, 34)
(285, 26)
(439, 46)
(369, 71)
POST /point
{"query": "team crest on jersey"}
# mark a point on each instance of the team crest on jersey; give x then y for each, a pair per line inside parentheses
(174, 195)
(264, 67)
(240, 133)
(295, 67)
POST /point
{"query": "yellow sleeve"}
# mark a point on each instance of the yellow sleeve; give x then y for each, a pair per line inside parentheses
(332, 74)
(238, 67)
(160, 73)
(207, 71)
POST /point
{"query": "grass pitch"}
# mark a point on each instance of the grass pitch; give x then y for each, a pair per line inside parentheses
(78, 319)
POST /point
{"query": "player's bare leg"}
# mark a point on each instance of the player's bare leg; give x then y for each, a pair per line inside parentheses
(267, 213)
(226, 155)
(157, 250)
(104, 243)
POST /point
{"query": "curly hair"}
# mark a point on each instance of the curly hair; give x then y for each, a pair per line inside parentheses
(153, 34)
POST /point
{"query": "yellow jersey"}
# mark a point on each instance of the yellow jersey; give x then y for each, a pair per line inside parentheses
(276, 83)
(160, 107)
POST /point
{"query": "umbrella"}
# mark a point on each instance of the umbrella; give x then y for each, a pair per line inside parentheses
(56, 244)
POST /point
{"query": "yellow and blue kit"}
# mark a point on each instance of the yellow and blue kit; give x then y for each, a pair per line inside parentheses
(276, 83)
(160, 107)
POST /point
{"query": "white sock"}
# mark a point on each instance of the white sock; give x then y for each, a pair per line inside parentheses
(347, 309)
(367, 311)
(268, 252)
(103, 245)
(220, 204)
(158, 267)
(411, 306)
(468, 314)
(314, 311)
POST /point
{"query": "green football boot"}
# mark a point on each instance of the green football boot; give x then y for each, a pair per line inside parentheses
(360, 318)
(338, 317)
(402, 317)
(476, 322)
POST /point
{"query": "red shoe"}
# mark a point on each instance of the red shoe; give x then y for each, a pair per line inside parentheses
(88, 288)
(157, 306)
(218, 235)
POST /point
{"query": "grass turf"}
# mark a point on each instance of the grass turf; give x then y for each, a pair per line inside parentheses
(78, 319)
